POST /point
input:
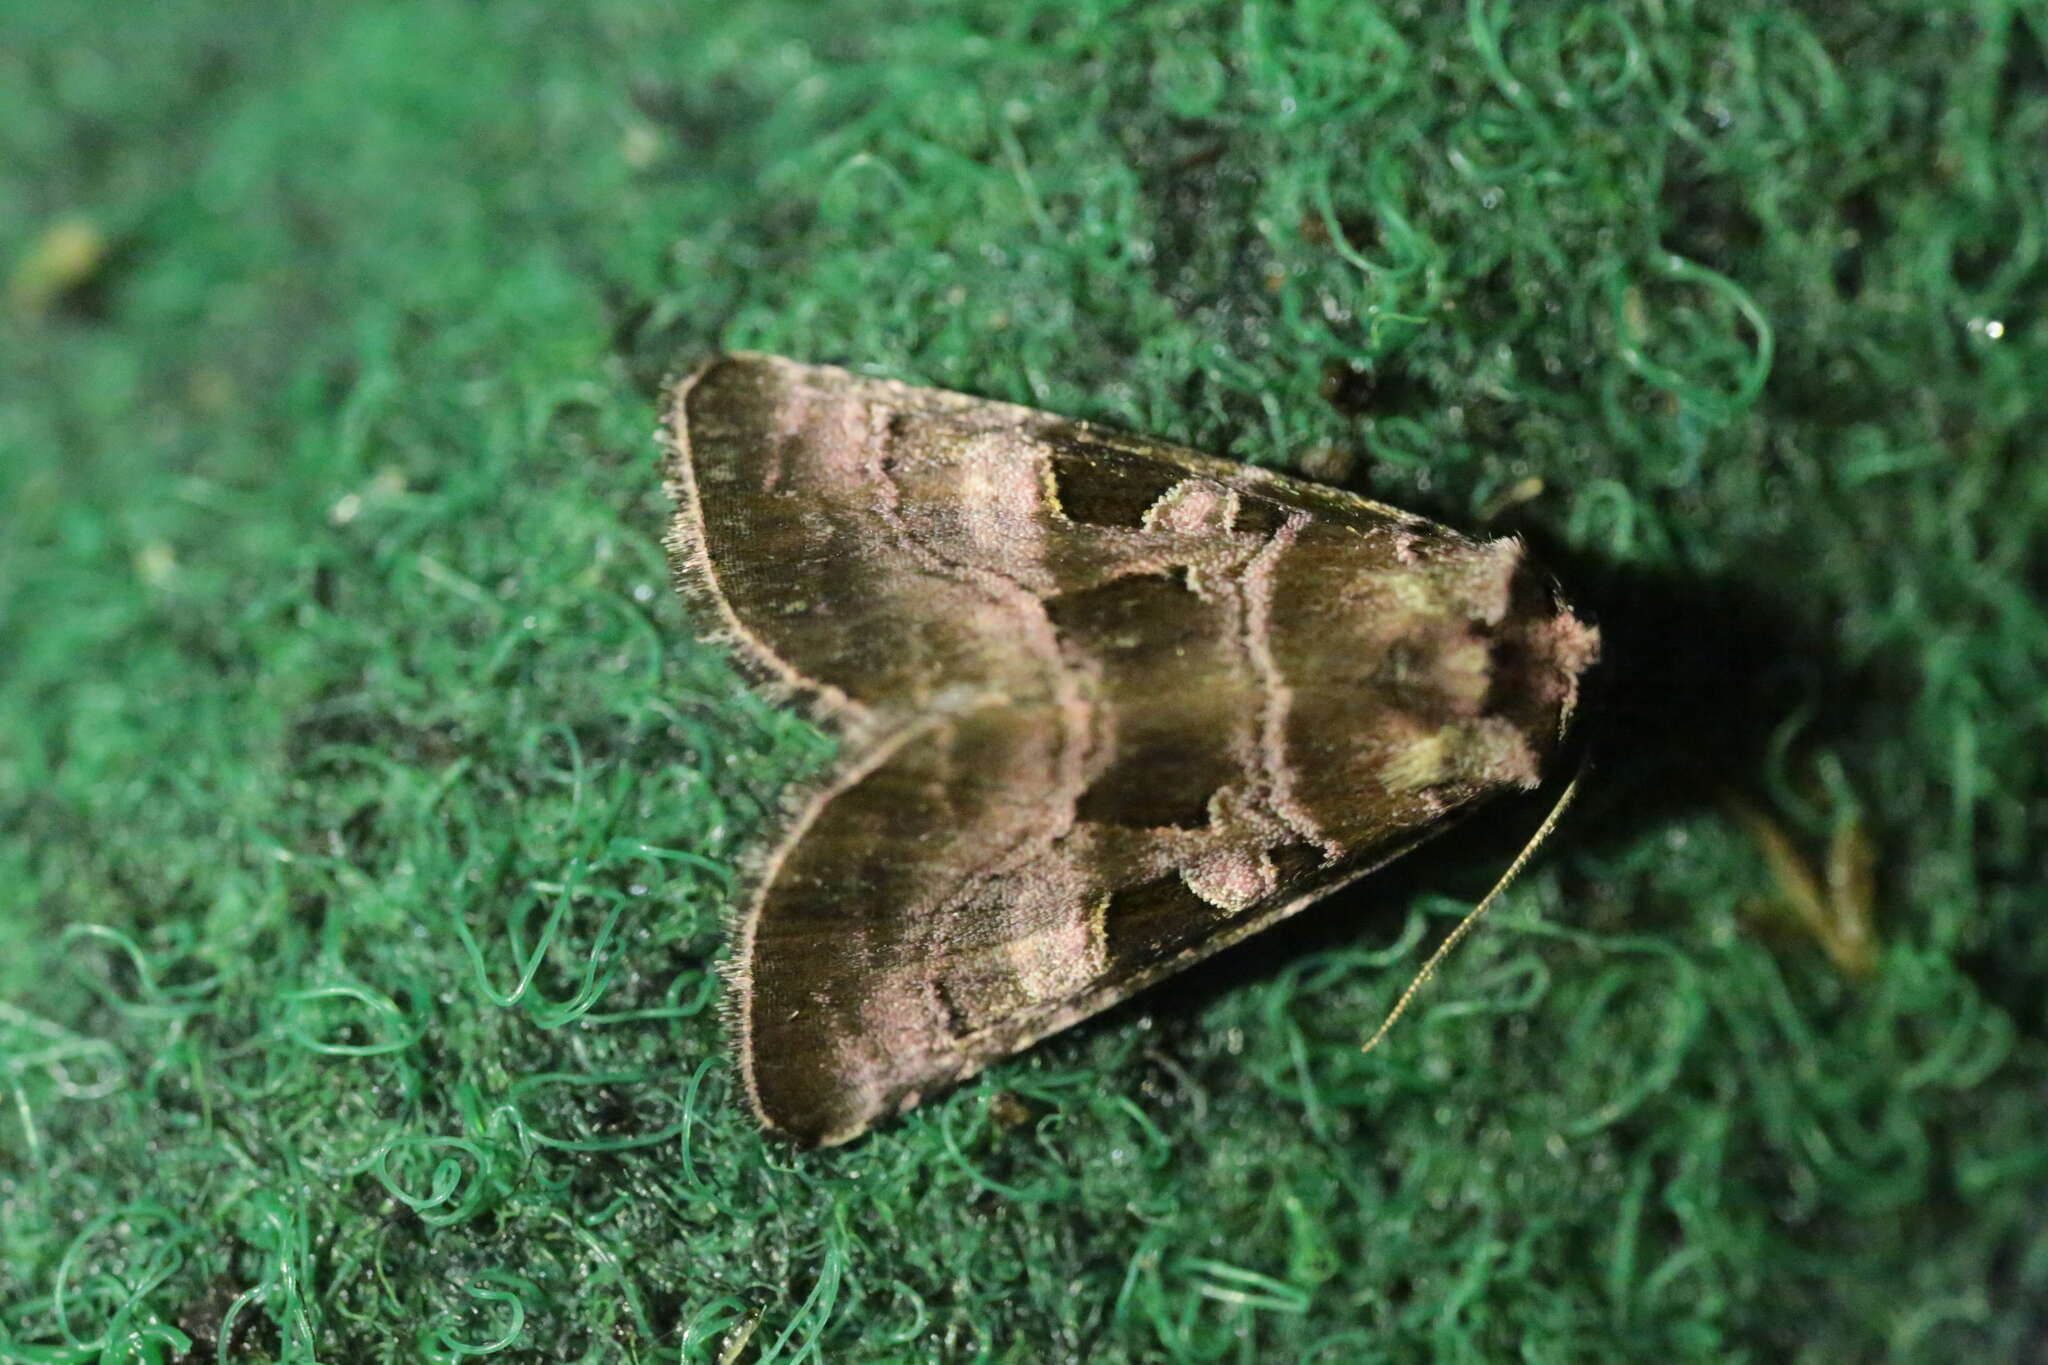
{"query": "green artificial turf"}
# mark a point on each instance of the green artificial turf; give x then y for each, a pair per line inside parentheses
(368, 817)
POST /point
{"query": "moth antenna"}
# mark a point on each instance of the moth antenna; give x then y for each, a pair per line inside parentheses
(1421, 978)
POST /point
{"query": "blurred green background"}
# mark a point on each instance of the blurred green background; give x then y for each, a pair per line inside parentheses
(367, 815)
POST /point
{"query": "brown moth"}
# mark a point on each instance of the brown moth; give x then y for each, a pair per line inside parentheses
(1106, 706)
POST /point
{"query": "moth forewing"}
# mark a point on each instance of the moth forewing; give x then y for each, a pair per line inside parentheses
(1106, 705)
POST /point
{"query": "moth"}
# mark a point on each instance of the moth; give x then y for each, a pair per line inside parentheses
(1105, 705)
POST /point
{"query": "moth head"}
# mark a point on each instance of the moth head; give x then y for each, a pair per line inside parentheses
(1491, 670)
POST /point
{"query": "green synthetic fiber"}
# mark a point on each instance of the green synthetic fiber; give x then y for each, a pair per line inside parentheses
(368, 817)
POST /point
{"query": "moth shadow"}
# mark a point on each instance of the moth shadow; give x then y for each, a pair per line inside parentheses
(1701, 679)
(1705, 682)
